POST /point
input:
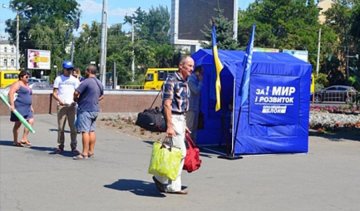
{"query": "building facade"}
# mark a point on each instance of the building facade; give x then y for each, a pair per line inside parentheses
(7, 55)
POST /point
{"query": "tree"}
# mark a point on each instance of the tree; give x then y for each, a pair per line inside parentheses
(152, 26)
(281, 24)
(224, 33)
(355, 32)
(52, 39)
(51, 16)
(287, 25)
(339, 18)
(152, 42)
(87, 45)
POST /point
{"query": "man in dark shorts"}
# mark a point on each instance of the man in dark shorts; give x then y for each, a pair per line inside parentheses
(88, 95)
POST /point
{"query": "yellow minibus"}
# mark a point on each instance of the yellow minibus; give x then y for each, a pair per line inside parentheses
(155, 77)
(8, 77)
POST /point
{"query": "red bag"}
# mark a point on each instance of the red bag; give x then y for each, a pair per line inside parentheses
(192, 160)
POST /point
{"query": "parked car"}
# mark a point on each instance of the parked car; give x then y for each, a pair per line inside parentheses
(40, 85)
(34, 80)
(337, 93)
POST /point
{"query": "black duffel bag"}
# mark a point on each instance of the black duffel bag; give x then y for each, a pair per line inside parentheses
(151, 119)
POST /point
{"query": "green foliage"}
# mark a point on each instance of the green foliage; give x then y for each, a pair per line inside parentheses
(294, 25)
(355, 32)
(339, 19)
(44, 26)
(321, 81)
(224, 33)
(152, 26)
(151, 47)
(87, 46)
(282, 24)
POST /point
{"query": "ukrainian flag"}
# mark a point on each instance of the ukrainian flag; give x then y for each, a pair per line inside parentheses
(218, 68)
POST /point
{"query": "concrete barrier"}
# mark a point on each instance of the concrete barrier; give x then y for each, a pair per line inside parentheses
(114, 101)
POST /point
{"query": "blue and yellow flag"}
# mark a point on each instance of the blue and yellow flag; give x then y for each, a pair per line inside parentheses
(218, 68)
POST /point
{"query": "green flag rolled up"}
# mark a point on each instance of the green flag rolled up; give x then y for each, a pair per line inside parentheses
(17, 114)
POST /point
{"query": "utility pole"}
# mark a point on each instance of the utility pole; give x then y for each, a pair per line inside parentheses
(318, 54)
(103, 44)
(114, 76)
(17, 40)
(18, 12)
(72, 50)
(347, 63)
(133, 53)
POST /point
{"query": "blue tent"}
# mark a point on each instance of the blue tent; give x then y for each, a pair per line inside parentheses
(275, 117)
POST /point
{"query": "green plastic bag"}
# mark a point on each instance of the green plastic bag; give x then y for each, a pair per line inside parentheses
(165, 160)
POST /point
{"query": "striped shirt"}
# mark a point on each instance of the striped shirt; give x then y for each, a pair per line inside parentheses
(177, 90)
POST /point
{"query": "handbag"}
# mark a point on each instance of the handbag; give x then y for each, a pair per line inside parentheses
(165, 159)
(152, 119)
(192, 160)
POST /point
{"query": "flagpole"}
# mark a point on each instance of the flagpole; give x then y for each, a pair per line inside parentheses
(231, 155)
(245, 84)
(232, 119)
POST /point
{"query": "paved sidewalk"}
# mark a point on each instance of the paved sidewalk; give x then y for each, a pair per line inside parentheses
(33, 179)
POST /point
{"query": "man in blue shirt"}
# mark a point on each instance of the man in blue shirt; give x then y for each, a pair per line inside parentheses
(88, 95)
(175, 94)
(192, 116)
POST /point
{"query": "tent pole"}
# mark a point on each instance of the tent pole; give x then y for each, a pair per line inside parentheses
(231, 155)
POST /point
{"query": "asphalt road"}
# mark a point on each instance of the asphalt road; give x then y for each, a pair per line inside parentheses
(33, 179)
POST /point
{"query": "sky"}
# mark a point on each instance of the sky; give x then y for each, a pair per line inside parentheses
(91, 10)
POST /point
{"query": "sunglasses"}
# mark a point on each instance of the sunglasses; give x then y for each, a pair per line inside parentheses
(26, 76)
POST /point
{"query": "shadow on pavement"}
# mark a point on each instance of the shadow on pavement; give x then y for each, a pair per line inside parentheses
(56, 130)
(51, 150)
(6, 142)
(137, 187)
(337, 135)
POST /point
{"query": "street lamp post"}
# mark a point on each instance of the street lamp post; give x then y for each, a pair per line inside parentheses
(18, 12)
(103, 43)
(17, 41)
(132, 53)
(318, 54)
(347, 62)
(56, 71)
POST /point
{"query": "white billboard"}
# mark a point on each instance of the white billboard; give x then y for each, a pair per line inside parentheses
(300, 54)
(269, 50)
(38, 59)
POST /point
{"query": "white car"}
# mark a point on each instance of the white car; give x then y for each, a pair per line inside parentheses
(339, 93)
(34, 80)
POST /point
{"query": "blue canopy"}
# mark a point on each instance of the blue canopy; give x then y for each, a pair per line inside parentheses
(275, 116)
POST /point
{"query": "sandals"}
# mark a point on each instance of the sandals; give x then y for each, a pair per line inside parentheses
(17, 144)
(80, 157)
(25, 143)
(22, 143)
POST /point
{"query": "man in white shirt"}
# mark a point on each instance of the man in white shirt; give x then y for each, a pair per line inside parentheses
(63, 93)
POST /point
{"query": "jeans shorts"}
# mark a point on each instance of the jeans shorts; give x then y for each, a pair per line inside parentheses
(86, 121)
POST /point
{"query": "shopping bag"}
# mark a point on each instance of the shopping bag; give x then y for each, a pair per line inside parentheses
(192, 160)
(165, 160)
